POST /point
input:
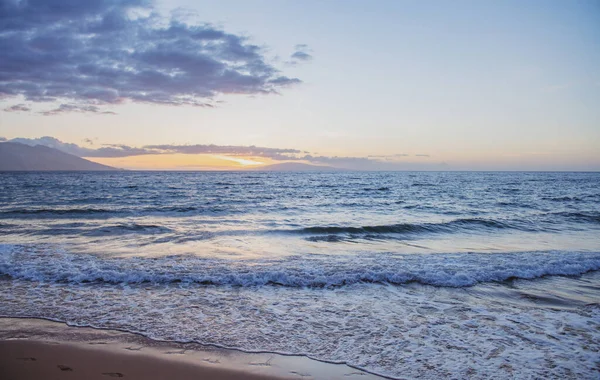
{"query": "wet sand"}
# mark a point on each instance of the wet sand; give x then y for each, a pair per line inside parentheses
(42, 360)
(40, 349)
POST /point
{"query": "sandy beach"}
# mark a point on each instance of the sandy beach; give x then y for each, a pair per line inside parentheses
(43, 360)
(40, 349)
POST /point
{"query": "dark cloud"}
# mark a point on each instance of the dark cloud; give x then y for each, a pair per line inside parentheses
(106, 52)
(89, 141)
(17, 108)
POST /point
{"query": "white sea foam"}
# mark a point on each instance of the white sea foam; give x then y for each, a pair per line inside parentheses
(410, 331)
(49, 264)
(356, 310)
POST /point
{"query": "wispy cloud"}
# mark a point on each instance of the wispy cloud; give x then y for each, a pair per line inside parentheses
(233, 150)
(64, 108)
(369, 163)
(302, 53)
(101, 52)
(389, 156)
(17, 108)
(301, 56)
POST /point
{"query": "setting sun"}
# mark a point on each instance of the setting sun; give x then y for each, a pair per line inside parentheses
(180, 162)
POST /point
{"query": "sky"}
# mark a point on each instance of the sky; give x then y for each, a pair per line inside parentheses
(379, 85)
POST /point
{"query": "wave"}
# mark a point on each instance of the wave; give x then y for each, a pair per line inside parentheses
(404, 228)
(589, 217)
(55, 211)
(326, 238)
(48, 264)
(542, 223)
(515, 204)
(113, 212)
(562, 199)
(127, 228)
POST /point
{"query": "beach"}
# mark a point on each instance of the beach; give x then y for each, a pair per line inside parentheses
(41, 349)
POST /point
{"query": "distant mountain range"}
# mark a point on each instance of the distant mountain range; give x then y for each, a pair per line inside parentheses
(295, 167)
(17, 157)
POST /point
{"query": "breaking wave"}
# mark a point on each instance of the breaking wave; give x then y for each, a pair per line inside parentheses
(447, 270)
(402, 228)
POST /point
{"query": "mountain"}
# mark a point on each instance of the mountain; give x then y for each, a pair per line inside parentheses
(16, 157)
(295, 167)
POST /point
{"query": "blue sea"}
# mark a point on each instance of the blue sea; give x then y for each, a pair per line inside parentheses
(403, 274)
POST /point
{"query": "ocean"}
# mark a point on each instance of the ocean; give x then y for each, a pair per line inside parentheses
(401, 274)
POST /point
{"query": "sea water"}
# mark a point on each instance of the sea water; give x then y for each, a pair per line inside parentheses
(403, 274)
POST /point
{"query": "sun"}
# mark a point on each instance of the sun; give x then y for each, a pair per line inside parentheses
(239, 160)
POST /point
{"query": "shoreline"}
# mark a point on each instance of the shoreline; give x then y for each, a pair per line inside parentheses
(32, 348)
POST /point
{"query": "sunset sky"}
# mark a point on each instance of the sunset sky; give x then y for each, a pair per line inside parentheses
(370, 85)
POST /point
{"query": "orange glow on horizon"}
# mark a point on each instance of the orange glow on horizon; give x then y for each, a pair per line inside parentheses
(183, 162)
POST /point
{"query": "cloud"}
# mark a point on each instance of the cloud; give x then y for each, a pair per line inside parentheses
(2, 138)
(106, 151)
(422, 155)
(234, 150)
(360, 163)
(53, 143)
(17, 108)
(302, 54)
(88, 141)
(120, 150)
(64, 108)
(389, 156)
(106, 52)
(381, 163)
